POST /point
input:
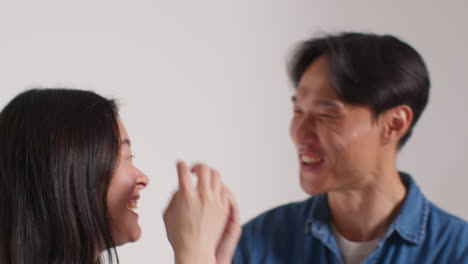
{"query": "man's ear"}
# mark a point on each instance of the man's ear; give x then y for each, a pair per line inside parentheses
(397, 122)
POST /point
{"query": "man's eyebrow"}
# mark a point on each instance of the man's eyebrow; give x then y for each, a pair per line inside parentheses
(320, 102)
(326, 103)
(126, 141)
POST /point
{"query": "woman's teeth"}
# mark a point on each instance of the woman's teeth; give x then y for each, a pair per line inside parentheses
(310, 160)
(132, 205)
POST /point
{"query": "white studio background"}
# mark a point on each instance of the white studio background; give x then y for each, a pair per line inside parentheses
(206, 80)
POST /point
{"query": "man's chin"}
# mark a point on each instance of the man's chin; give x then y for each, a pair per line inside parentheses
(312, 188)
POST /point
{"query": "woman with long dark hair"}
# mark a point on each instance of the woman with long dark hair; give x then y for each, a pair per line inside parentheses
(68, 186)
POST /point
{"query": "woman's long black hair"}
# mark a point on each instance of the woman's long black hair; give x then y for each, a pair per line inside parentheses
(58, 151)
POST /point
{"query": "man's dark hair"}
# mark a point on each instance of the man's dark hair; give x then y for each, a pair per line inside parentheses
(58, 152)
(379, 71)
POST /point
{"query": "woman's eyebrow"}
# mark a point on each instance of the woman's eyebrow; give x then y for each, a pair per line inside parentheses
(126, 141)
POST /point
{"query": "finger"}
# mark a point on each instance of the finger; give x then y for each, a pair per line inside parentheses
(234, 214)
(232, 232)
(185, 177)
(216, 182)
(204, 179)
(226, 196)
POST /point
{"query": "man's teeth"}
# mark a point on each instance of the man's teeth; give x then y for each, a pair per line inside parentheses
(309, 160)
(132, 205)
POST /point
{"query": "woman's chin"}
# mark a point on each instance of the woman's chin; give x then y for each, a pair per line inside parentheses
(131, 236)
(136, 236)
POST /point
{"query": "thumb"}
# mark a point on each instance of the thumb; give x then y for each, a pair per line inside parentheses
(169, 206)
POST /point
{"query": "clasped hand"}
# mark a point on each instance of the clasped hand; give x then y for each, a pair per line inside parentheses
(202, 221)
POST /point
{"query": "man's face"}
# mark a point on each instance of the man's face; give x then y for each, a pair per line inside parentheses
(338, 144)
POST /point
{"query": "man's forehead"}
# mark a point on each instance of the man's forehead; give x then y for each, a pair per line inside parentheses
(316, 93)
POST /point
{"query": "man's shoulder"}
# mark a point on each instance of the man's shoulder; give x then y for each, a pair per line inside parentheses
(446, 235)
(443, 222)
(277, 235)
(281, 217)
(424, 217)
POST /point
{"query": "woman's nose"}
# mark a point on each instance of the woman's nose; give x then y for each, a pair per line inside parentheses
(142, 178)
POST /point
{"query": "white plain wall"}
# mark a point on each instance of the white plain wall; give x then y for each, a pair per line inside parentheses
(205, 80)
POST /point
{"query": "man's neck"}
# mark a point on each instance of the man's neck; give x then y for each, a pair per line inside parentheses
(365, 214)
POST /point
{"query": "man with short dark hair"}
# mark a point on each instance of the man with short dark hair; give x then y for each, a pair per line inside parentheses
(357, 99)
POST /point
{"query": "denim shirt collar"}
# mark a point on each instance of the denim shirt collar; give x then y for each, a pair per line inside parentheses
(412, 220)
(410, 223)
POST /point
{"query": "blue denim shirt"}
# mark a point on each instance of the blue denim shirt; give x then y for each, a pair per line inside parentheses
(300, 233)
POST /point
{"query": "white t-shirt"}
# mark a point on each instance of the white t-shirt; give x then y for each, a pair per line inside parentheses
(354, 252)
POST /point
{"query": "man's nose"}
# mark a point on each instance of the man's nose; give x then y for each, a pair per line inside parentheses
(307, 129)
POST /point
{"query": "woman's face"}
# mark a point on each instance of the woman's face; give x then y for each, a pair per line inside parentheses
(123, 194)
